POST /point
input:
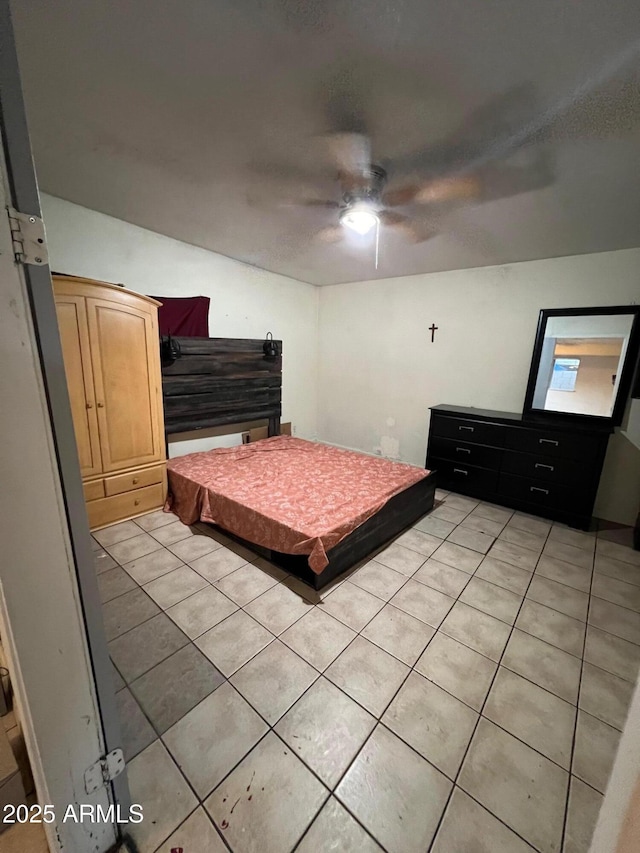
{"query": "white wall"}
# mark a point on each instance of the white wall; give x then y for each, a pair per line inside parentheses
(379, 371)
(246, 302)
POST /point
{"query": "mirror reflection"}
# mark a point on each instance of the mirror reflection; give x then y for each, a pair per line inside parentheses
(581, 363)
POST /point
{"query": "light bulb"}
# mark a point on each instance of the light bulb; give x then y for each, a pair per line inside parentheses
(359, 219)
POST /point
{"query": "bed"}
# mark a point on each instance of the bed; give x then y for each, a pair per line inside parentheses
(315, 508)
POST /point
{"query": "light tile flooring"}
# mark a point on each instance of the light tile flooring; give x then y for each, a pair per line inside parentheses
(463, 690)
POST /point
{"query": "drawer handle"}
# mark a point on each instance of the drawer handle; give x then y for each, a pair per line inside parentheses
(89, 405)
(136, 502)
(135, 480)
(462, 450)
(460, 471)
(542, 465)
(536, 489)
(548, 441)
(101, 405)
(470, 429)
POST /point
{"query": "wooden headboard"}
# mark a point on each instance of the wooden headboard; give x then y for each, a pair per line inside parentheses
(219, 381)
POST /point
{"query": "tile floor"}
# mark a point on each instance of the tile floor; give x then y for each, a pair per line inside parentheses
(464, 689)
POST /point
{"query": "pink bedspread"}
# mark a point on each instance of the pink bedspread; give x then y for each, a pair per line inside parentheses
(286, 494)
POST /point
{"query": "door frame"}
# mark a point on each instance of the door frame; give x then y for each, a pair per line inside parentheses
(75, 619)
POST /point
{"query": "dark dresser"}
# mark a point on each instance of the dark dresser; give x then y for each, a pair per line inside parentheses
(543, 467)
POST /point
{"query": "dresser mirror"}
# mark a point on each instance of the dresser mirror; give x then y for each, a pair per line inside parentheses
(583, 363)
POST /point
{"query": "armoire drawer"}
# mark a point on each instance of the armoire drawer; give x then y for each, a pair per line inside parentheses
(464, 429)
(458, 475)
(548, 468)
(551, 495)
(93, 490)
(135, 480)
(466, 452)
(551, 443)
(117, 507)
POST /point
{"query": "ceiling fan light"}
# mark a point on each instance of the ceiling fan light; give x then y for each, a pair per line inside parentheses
(359, 219)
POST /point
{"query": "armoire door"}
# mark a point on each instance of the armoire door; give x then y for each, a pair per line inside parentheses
(74, 335)
(125, 358)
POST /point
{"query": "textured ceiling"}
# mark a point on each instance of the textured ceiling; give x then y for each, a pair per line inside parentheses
(197, 119)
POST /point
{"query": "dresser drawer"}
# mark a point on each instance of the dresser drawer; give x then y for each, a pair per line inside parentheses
(465, 452)
(458, 476)
(93, 490)
(550, 443)
(544, 494)
(547, 468)
(117, 507)
(465, 429)
(135, 480)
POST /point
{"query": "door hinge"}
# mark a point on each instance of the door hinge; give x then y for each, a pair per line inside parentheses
(103, 771)
(27, 234)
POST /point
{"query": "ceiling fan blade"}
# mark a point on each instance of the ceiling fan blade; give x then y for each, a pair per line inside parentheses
(486, 134)
(435, 190)
(276, 198)
(344, 94)
(325, 204)
(329, 234)
(528, 169)
(347, 142)
(392, 217)
(401, 195)
(456, 188)
(419, 232)
(351, 152)
(524, 170)
(275, 172)
(607, 104)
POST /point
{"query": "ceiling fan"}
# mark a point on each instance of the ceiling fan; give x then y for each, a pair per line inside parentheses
(503, 148)
(365, 203)
(455, 171)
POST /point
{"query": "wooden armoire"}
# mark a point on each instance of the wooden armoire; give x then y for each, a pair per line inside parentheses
(111, 355)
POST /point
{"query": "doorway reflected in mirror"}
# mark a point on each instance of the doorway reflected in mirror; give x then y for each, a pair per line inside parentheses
(581, 358)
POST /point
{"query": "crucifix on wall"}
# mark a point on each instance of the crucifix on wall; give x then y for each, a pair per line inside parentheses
(433, 328)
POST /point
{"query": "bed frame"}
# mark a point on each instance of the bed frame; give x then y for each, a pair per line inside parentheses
(222, 381)
(400, 512)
